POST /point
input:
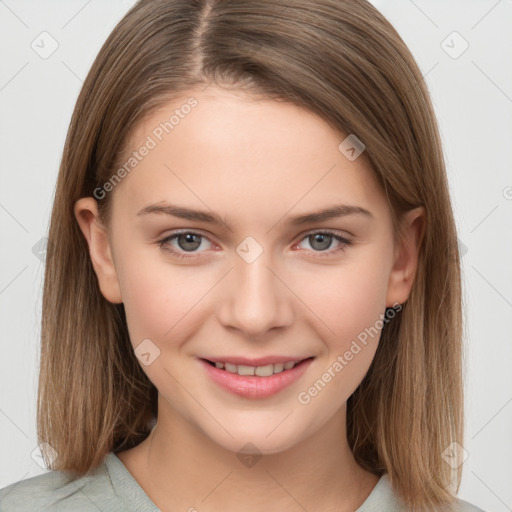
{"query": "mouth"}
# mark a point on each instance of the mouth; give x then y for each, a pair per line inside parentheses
(255, 382)
(265, 370)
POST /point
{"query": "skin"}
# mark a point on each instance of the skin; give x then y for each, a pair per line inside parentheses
(255, 162)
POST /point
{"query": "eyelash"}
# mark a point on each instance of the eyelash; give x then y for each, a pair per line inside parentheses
(180, 255)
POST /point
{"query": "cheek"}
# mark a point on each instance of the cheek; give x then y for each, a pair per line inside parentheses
(350, 298)
(350, 302)
(161, 300)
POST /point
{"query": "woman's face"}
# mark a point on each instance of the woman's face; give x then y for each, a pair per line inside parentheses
(264, 282)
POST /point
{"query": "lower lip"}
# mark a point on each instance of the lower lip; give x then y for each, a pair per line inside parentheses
(252, 386)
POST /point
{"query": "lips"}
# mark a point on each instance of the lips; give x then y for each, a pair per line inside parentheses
(255, 386)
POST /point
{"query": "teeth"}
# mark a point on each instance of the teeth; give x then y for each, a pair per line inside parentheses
(261, 371)
(264, 371)
(246, 370)
(230, 367)
(278, 367)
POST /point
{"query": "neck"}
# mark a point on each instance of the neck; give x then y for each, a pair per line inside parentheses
(180, 468)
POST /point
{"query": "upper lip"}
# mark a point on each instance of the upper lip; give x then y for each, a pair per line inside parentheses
(258, 361)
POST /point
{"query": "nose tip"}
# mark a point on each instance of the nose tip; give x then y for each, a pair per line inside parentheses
(256, 299)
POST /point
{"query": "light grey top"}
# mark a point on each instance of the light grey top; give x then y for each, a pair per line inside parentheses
(112, 488)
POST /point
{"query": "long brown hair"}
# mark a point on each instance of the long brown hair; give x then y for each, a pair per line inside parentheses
(342, 60)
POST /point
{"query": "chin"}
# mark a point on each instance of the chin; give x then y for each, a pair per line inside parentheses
(264, 437)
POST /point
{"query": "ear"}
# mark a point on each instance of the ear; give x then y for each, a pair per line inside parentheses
(407, 250)
(86, 213)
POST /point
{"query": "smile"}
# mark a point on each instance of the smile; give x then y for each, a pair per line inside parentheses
(255, 382)
(260, 371)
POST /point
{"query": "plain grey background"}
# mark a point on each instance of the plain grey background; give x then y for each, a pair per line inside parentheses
(463, 47)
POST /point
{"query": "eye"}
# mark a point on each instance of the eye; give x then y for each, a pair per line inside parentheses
(187, 241)
(190, 241)
(322, 240)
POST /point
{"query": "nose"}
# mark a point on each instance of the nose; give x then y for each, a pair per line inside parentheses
(256, 298)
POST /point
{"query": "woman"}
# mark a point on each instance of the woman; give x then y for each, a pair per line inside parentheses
(252, 294)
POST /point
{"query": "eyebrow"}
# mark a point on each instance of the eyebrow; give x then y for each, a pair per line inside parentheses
(340, 210)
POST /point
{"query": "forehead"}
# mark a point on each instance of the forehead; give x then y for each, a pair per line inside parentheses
(232, 145)
(236, 121)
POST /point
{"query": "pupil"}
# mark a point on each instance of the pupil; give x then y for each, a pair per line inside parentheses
(325, 238)
(189, 241)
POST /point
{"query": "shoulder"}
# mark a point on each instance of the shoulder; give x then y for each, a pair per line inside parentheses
(56, 489)
(384, 499)
(464, 506)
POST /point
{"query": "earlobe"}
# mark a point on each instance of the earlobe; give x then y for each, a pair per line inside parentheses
(407, 251)
(96, 235)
